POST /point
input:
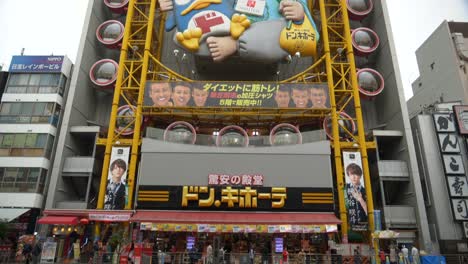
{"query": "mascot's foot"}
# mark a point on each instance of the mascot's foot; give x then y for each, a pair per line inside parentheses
(190, 38)
(221, 47)
(239, 23)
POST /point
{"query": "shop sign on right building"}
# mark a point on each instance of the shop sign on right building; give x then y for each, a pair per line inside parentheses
(446, 128)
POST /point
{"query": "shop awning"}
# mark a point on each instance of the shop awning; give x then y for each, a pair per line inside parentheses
(56, 220)
(10, 214)
(93, 215)
(250, 218)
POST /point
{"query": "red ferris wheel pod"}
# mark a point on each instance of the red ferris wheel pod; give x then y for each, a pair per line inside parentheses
(285, 134)
(180, 132)
(117, 6)
(370, 82)
(125, 116)
(103, 73)
(232, 136)
(365, 41)
(345, 121)
(359, 9)
(110, 33)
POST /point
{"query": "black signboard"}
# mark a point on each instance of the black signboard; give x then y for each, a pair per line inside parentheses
(235, 198)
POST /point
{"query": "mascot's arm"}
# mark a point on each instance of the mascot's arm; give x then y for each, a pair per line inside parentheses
(170, 21)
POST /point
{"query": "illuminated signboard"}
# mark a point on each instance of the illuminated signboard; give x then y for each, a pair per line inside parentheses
(36, 64)
(233, 94)
(253, 198)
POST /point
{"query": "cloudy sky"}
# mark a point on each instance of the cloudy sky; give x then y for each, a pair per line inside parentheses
(54, 27)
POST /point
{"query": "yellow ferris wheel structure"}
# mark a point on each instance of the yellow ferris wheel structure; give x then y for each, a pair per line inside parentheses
(140, 62)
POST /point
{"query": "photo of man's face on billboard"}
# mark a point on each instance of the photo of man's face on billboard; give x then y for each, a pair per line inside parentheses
(160, 93)
(355, 192)
(116, 189)
(319, 96)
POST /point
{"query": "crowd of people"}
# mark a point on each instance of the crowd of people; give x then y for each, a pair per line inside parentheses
(401, 255)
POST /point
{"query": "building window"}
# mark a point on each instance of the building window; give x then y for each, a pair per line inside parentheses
(36, 83)
(30, 113)
(26, 145)
(21, 179)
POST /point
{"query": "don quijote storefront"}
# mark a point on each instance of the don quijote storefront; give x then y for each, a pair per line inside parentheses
(192, 196)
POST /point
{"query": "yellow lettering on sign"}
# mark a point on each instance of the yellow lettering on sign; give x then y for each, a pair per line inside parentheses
(278, 193)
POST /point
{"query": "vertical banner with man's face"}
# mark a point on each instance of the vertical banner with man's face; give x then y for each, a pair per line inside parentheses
(355, 192)
(116, 188)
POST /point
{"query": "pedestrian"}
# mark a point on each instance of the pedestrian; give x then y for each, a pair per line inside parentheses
(173, 253)
(265, 253)
(415, 255)
(131, 253)
(27, 249)
(285, 255)
(357, 255)
(251, 254)
(36, 252)
(193, 254)
(382, 256)
(393, 255)
(405, 253)
(301, 256)
(209, 254)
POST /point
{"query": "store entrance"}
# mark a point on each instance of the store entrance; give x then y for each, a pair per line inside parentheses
(193, 247)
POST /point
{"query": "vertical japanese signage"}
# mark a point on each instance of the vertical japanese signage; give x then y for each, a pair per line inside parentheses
(453, 164)
(116, 188)
(355, 192)
(36, 64)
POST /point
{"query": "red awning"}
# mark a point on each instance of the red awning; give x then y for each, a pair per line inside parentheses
(93, 215)
(55, 220)
(261, 218)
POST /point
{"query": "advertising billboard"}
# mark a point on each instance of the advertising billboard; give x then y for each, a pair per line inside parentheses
(355, 192)
(237, 94)
(36, 63)
(116, 188)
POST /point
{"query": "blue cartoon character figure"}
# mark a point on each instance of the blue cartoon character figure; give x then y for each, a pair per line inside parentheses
(196, 20)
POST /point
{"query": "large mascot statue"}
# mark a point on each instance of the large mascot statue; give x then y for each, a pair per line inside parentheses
(257, 30)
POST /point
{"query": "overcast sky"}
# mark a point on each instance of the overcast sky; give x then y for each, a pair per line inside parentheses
(54, 27)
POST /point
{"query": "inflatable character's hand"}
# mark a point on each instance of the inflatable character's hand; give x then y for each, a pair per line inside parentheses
(190, 38)
(166, 5)
(292, 10)
(239, 23)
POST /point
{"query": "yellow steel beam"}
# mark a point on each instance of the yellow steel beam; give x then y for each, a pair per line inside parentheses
(115, 104)
(334, 118)
(139, 117)
(360, 126)
(360, 122)
(122, 142)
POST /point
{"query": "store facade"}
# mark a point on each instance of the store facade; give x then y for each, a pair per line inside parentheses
(192, 195)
